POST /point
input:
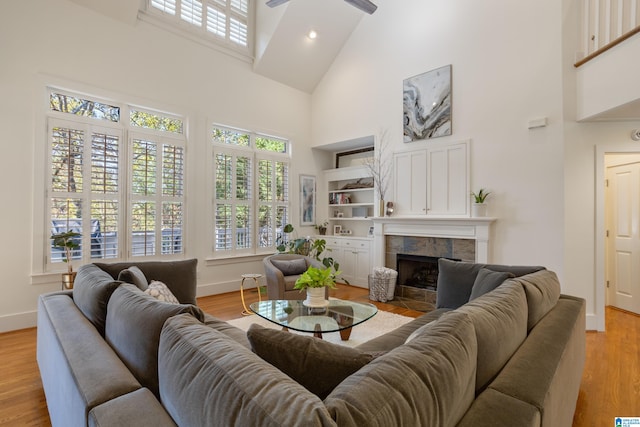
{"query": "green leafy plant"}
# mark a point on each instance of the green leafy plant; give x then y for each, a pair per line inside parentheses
(288, 243)
(480, 196)
(67, 241)
(316, 278)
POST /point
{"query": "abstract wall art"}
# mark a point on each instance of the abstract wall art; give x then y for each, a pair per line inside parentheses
(307, 200)
(427, 105)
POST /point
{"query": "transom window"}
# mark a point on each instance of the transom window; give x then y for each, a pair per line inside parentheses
(119, 183)
(251, 196)
(225, 22)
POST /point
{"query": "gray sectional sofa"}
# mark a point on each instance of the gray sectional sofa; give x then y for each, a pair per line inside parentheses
(503, 348)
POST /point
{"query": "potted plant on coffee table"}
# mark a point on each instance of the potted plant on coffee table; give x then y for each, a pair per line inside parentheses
(314, 281)
(68, 242)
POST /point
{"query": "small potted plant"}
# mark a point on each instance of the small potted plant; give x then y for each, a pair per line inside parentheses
(314, 281)
(67, 241)
(479, 208)
(322, 228)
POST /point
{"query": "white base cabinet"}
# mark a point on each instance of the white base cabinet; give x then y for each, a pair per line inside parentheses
(354, 256)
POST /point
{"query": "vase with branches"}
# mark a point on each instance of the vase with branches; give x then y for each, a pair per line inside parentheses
(379, 166)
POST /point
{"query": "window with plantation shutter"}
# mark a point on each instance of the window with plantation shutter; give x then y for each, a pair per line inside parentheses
(119, 184)
(251, 200)
(224, 22)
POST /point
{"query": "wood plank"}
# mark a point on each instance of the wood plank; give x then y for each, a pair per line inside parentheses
(610, 385)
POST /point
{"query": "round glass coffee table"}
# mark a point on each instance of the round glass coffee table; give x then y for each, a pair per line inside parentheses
(337, 316)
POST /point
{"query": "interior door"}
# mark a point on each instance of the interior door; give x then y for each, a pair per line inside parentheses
(624, 237)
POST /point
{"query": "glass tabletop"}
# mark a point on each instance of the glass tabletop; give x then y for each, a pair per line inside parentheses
(338, 315)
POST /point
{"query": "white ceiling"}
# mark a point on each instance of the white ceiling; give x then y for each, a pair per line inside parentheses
(283, 51)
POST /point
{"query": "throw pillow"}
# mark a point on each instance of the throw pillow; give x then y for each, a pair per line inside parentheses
(134, 323)
(421, 330)
(317, 365)
(134, 275)
(487, 280)
(455, 280)
(290, 267)
(161, 292)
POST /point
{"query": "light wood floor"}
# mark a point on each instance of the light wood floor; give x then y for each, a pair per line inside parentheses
(610, 385)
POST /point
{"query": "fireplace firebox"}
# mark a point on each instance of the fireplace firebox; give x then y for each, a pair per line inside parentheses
(418, 271)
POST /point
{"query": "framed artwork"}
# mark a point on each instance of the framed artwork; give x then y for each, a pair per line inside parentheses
(337, 230)
(307, 200)
(426, 105)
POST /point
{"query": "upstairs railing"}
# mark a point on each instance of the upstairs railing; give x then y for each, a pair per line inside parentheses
(608, 23)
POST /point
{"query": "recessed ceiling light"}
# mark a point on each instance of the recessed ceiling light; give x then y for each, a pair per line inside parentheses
(312, 34)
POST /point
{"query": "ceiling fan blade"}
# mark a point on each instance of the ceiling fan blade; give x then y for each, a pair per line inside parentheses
(274, 3)
(363, 5)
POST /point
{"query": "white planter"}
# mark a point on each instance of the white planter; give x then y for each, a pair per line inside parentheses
(478, 210)
(315, 298)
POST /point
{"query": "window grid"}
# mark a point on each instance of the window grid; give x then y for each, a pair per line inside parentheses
(88, 185)
(224, 21)
(248, 221)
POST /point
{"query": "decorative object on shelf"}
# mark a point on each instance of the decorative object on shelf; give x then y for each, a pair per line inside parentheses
(389, 208)
(67, 241)
(427, 105)
(360, 183)
(479, 208)
(370, 232)
(379, 166)
(322, 227)
(337, 230)
(307, 200)
(314, 280)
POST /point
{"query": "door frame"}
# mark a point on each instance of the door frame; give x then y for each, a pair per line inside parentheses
(600, 225)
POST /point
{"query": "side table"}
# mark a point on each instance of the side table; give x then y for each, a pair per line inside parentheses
(255, 277)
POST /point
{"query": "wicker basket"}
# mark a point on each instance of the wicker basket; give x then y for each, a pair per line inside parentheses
(381, 289)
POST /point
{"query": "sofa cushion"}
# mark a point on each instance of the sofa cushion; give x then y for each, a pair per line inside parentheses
(134, 322)
(161, 292)
(179, 276)
(316, 364)
(455, 280)
(92, 289)
(138, 408)
(429, 381)
(500, 322)
(492, 408)
(207, 377)
(543, 291)
(290, 267)
(487, 280)
(134, 275)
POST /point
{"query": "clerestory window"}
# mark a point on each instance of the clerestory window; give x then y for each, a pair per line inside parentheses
(251, 192)
(116, 178)
(224, 22)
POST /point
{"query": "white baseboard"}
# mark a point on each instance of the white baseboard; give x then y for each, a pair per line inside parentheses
(13, 322)
(221, 287)
(594, 323)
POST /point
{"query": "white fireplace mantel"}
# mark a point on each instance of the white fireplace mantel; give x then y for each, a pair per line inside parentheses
(477, 229)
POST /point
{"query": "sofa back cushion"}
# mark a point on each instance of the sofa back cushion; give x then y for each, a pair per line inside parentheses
(134, 276)
(456, 279)
(207, 378)
(500, 321)
(429, 381)
(179, 276)
(543, 291)
(134, 322)
(91, 292)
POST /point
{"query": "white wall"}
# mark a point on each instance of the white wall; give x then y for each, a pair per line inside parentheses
(512, 62)
(59, 42)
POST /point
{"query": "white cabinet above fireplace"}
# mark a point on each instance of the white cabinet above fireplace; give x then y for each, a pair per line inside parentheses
(432, 181)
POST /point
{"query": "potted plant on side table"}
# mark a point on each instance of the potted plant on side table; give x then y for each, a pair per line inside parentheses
(67, 241)
(314, 281)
